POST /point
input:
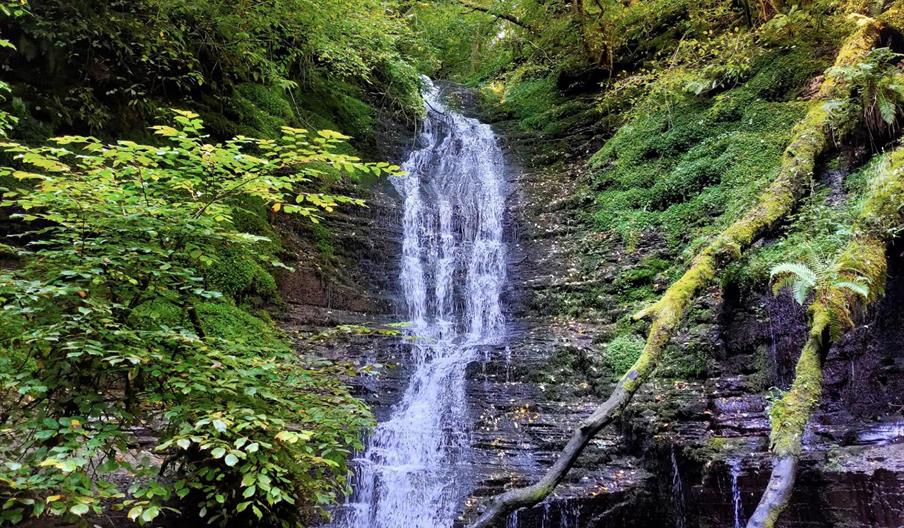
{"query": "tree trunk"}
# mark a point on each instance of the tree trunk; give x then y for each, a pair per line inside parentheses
(833, 310)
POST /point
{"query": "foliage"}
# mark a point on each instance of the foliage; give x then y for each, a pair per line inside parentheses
(110, 332)
(9, 9)
(801, 280)
(879, 83)
(677, 168)
(151, 54)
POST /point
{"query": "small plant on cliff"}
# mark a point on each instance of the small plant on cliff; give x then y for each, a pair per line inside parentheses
(801, 280)
(878, 81)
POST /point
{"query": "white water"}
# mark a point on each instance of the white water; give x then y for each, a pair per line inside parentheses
(678, 494)
(453, 270)
(734, 467)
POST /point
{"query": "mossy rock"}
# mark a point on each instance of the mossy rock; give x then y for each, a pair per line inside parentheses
(226, 321)
(238, 274)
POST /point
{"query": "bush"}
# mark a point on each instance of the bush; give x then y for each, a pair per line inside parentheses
(111, 331)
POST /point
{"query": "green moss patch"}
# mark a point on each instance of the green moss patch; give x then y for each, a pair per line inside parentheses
(690, 168)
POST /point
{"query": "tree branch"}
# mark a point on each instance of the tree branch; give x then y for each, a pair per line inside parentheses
(862, 261)
(504, 16)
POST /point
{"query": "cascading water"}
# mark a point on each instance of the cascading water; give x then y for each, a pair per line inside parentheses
(734, 467)
(677, 494)
(412, 474)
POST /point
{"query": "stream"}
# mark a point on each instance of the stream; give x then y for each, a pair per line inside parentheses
(414, 470)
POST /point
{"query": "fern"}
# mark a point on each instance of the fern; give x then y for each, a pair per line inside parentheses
(799, 270)
(801, 280)
(797, 277)
(856, 287)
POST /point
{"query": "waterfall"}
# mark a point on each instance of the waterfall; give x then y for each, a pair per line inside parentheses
(412, 473)
(734, 467)
(678, 494)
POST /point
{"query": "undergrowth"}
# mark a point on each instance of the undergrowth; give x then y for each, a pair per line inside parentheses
(686, 169)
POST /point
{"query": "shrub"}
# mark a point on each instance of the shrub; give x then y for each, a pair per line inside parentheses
(110, 331)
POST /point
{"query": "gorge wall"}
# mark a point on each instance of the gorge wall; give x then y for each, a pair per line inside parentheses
(692, 448)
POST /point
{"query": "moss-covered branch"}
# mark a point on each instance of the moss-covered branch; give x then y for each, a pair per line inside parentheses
(832, 311)
(809, 140)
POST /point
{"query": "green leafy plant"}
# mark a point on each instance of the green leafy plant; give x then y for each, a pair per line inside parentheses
(110, 334)
(801, 281)
(879, 84)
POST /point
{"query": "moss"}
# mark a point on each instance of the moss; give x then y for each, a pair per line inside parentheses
(790, 414)
(323, 240)
(239, 270)
(151, 315)
(260, 110)
(861, 261)
(639, 282)
(677, 169)
(881, 211)
(238, 274)
(531, 95)
(336, 105)
(894, 16)
(223, 320)
(251, 217)
(771, 205)
(622, 352)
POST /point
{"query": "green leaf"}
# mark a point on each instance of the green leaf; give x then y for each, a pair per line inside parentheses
(150, 514)
(856, 287)
(135, 512)
(79, 509)
(231, 460)
(886, 109)
(800, 290)
(801, 271)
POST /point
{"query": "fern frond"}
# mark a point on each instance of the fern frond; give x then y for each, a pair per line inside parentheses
(797, 277)
(856, 287)
(801, 271)
(801, 291)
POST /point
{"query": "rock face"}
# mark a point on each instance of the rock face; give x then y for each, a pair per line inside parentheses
(692, 450)
(704, 419)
